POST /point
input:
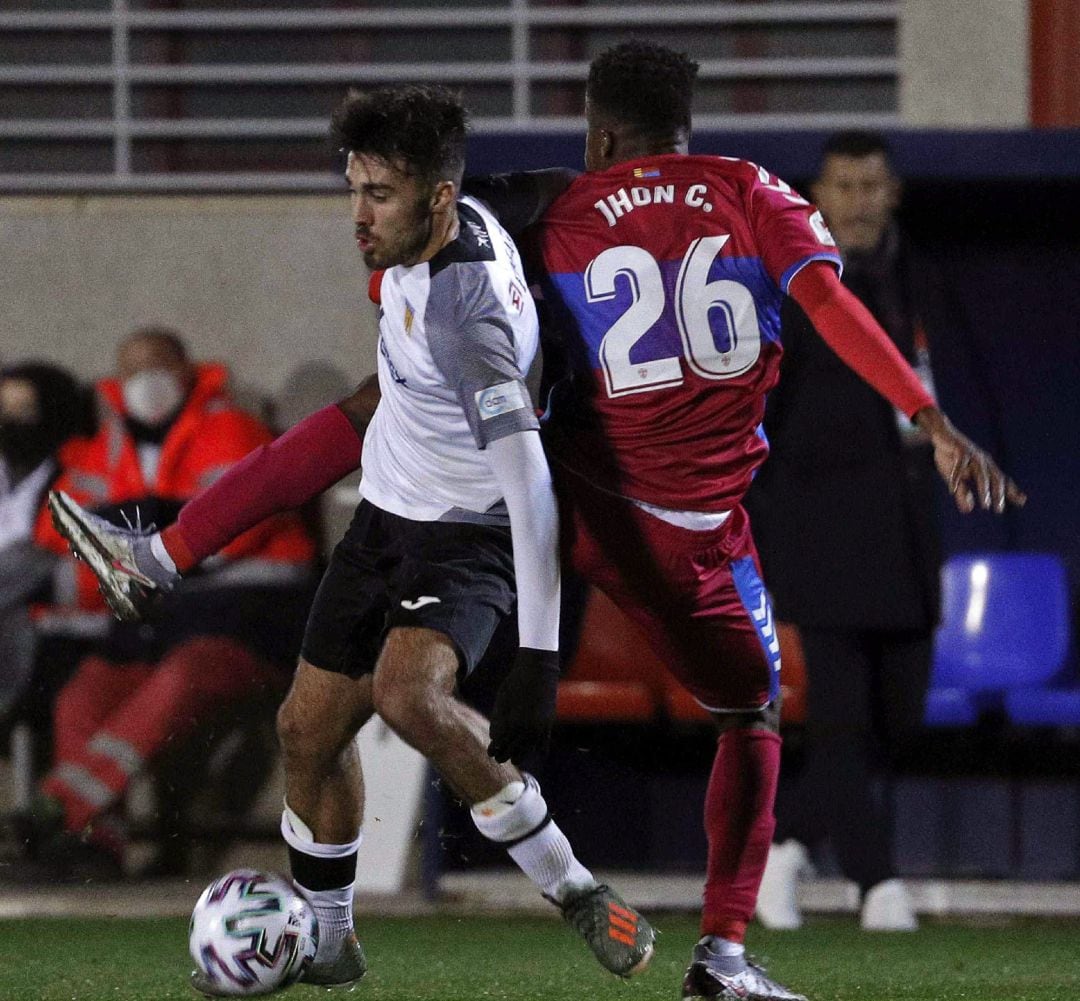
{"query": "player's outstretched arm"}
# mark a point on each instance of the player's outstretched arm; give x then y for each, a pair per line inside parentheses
(525, 704)
(280, 476)
(848, 327)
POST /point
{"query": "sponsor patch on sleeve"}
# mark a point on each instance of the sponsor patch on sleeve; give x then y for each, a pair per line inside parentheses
(500, 399)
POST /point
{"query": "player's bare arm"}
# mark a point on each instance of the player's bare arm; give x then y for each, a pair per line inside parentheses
(847, 326)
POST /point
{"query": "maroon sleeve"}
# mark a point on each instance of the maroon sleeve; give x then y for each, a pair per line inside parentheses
(847, 326)
(789, 231)
(280, 476)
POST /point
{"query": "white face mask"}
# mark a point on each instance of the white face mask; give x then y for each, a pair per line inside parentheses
(152, 396)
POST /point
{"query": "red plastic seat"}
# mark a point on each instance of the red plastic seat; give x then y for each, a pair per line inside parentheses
(614, 676)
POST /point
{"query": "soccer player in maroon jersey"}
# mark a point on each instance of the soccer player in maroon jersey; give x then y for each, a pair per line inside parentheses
(663, 273)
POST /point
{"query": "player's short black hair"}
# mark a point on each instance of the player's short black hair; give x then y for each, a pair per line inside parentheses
(647, 86)
(421, 128)
(855, 143)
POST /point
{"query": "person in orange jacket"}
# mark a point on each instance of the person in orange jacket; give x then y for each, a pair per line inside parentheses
(167, 429)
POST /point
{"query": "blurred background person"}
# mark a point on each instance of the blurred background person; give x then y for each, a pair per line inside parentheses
(41, 407)
(227, 638)
(844, 513)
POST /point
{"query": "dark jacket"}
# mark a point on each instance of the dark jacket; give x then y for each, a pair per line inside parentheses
(844, 512)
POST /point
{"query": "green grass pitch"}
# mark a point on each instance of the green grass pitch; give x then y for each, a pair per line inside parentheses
(451, 958)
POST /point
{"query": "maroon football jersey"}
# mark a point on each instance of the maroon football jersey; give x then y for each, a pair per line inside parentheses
(665, 276)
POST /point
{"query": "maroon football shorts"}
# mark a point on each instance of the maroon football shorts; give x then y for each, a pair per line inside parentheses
(697, 596)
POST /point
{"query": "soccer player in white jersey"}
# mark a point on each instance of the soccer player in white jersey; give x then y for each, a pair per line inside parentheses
(653, 479)
(456, 502)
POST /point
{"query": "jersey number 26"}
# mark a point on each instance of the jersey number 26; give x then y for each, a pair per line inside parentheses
(717, 320)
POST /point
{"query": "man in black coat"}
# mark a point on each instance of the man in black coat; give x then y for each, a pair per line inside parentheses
(843, 514)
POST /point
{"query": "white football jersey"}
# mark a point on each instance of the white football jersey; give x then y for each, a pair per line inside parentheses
(456, 336)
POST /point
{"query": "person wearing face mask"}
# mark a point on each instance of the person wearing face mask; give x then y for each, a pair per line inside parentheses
(848, 477)
(41, 407)
(167, 429)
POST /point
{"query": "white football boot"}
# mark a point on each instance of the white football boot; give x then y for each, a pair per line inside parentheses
(129, 575)
(714, 975)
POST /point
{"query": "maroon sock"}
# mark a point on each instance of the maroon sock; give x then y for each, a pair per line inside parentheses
(739, 824)
(281, 476)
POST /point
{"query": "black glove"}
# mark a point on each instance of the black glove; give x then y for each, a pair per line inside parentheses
(525, 706)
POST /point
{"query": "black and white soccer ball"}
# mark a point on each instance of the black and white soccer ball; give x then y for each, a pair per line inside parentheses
(251, 933)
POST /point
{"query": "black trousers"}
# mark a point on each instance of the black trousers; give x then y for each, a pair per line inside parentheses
(865, 698)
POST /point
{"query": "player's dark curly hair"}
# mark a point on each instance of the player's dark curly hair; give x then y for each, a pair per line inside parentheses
(647, 86)
(422, 128)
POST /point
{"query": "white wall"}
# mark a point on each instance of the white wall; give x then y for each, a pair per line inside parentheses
(263, 283)
(964, 63)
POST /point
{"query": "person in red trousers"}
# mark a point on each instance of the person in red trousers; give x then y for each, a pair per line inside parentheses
(227, 636)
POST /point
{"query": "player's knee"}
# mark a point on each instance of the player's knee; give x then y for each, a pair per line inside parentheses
(299, 733)
(406, 706)
(767, 719)
(413, 679)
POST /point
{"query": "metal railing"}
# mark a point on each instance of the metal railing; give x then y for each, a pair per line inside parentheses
(122, 77)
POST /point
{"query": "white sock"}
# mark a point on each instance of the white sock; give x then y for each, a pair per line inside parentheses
(518, 814)
(333, 907)
(726, 947)
(161, 554)
(153, 559)
(334, 911)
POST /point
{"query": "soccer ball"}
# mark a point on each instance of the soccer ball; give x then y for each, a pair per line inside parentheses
(251, 933)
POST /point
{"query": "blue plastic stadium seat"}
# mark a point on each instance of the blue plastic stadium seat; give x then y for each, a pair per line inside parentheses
(950, 707)
(1004, 629)
(1044, 706)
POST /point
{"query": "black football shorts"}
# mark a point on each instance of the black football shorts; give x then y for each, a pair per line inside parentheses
(387, 571)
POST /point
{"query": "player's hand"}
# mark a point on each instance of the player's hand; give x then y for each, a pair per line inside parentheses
(970, 474)
(525, 706)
